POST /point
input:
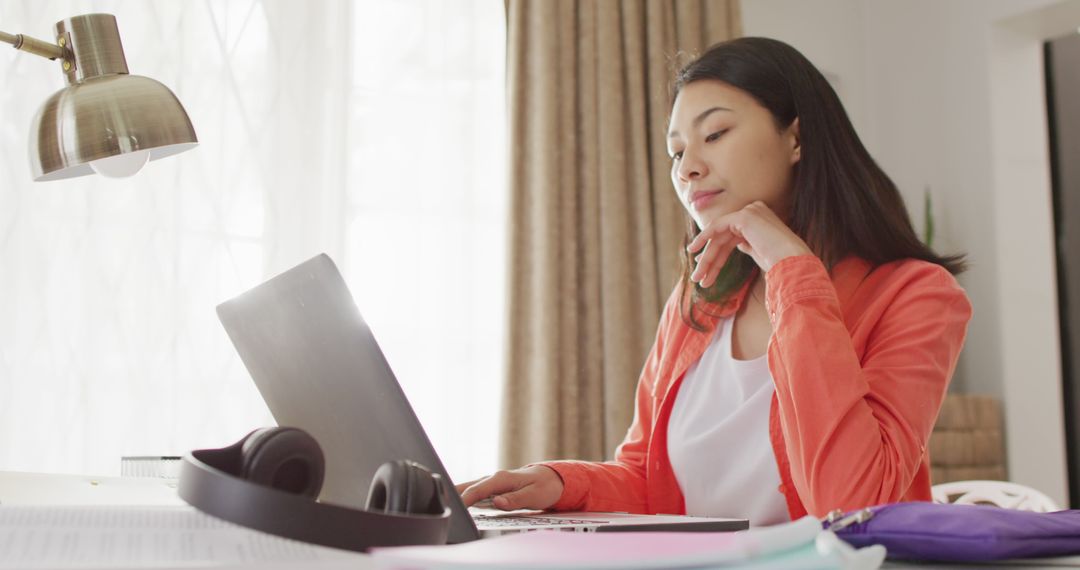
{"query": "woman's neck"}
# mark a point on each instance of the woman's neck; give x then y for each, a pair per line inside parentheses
(757, 288)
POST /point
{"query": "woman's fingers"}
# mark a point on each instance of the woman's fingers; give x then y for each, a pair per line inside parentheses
(709, 266)
(718, 241)
(460, 487)
(699, 241)
(534, 487)
(496, 484)
(755, 230)
(520, 499)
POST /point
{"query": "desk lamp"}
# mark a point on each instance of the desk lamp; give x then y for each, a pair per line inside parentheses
(105, 120)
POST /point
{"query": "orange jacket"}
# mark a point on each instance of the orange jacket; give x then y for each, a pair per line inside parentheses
(861, 361)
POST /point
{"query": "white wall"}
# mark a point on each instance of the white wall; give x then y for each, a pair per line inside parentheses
(949, 95)
(829, 32)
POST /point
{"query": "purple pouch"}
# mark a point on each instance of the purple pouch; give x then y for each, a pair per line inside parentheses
(960, 533)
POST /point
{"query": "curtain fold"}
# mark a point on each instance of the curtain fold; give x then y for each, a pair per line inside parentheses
(594, 222)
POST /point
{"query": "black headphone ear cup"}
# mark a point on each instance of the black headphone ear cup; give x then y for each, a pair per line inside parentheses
(285, 458)
(406, 487)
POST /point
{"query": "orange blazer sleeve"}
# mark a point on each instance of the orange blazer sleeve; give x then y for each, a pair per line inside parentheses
(620, 485)
(856, 427)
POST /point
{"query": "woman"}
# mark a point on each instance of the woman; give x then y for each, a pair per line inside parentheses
(802, 359)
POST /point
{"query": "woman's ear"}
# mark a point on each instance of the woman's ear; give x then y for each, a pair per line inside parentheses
(795, 141)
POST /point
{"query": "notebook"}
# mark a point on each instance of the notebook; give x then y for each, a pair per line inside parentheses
(318, 367)
(800, 544)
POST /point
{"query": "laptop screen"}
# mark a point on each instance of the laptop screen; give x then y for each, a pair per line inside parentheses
(318, 367)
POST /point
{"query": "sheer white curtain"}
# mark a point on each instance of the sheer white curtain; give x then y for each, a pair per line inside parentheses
(371, 130)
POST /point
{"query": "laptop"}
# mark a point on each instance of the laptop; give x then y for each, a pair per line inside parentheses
(317, 365)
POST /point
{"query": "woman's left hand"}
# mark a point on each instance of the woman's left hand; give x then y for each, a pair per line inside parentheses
(755, 230)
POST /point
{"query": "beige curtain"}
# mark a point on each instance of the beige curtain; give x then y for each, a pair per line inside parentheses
(595, 224)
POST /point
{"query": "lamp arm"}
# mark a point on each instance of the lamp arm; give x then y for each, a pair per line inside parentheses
(34, 45)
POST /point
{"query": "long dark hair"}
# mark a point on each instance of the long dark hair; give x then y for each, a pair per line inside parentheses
(842, 203)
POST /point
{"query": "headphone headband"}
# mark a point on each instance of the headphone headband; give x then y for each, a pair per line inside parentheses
(207, 484)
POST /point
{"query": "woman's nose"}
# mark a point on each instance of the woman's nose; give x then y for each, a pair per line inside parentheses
(691, 167)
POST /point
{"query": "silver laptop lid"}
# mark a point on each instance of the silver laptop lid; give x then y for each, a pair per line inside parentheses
(318, 367)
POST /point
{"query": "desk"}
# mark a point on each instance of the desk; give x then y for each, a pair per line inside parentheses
(36, 489)
(53, 489)
(177, 537)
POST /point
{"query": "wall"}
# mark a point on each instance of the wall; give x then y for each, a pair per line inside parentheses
(948, 95)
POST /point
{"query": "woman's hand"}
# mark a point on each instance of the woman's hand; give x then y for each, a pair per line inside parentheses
(755, 230)
(535, 487)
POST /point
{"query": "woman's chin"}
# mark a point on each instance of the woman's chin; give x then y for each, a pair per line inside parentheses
(708, 216)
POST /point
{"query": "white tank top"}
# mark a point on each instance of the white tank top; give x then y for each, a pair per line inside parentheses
(718, 436)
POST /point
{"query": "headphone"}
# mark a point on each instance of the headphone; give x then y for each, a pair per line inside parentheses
(270, 480)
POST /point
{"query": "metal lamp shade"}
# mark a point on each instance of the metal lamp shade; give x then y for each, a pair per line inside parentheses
(105, 119)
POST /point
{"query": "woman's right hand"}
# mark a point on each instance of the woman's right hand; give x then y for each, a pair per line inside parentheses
(536, 487)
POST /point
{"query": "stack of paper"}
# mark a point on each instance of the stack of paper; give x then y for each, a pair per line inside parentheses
(86, 537)
(800, 544)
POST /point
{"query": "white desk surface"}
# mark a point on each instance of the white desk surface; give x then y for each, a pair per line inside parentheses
(55, 489)
(62, 490)
(18, 488)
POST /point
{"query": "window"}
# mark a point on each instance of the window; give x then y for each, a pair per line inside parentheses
(387, 154)
(426, 210)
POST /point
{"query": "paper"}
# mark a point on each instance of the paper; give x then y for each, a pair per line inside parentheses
(84, 537)
(622, 550)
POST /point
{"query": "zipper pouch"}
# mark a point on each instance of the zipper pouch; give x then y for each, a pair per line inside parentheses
(959, 533)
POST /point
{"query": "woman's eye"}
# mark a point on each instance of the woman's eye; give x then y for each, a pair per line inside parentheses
(715, 135)
(676, 155)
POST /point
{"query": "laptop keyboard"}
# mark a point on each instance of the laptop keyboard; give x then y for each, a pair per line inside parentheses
(519, 521)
